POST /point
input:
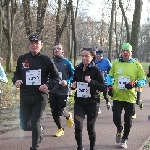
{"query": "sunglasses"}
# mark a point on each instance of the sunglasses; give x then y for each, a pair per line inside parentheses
(57, 48)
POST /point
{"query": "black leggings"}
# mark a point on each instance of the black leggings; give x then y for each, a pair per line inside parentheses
(79, 115)
(57, 105)
(31, 111)
(118, 106)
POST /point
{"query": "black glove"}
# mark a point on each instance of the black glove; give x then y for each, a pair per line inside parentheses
(130, 85)
(148, 75)
(110, 90)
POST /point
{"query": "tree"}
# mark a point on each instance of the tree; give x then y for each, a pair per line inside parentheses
(10, 7)
(41, 11)
(136, 26)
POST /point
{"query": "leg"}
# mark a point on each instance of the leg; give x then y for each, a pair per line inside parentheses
(25, 113)
(79, 115)
(91, 119)
(54, 110)
(127, 119)
(37, 113)
(117, 111)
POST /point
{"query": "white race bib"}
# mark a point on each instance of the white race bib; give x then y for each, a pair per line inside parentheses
(33, 77)
(60, 76)
(122, 80)
(83, 90)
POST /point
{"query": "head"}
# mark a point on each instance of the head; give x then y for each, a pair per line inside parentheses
(87, 56)
(35, 43)
(94, 49)
(99, 55)
(126, 51)
(58, 50)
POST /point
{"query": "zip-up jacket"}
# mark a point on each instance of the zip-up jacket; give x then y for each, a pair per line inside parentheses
(96, 84)
(28, 62)
(66, 71)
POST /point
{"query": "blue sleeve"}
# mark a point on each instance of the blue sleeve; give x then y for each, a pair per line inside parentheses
(141, 82)
(3, 77)
(109, 64)
(71, 72)
(110, 80)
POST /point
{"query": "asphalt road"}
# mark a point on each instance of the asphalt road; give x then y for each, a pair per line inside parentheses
(105, 132)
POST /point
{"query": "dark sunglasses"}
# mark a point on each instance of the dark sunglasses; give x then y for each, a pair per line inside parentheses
(57, 48)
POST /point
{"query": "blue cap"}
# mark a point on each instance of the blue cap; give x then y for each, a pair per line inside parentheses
(94, 48)
(35, 37)
(99, 53)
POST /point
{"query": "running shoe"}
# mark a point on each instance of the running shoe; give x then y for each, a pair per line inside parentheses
(70, 120)
(123, 143)
(59, 133)
(118, 136)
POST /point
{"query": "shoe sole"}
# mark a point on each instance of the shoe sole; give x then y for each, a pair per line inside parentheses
(58, 136)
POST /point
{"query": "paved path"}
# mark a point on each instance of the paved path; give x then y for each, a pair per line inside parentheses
(106, 130)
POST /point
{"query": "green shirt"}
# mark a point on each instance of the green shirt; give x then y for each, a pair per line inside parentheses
(124, 72)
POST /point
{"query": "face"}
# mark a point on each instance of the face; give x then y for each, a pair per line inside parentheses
(94, 52)
(86, 57)
(126, 55)
(35, 46)
(58, 51)
(99, 58)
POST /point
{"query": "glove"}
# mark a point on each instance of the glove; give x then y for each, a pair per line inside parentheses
(148, 75)
(110, 90)
(108, 105)
(130, 85)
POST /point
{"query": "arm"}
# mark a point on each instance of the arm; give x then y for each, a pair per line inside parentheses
(18, 72)
(71, 73)
(53, 80)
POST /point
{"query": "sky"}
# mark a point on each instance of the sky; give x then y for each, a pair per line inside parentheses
(94, 9)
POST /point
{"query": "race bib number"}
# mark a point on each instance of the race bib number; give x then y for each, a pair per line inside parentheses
(83, 90)
(33, 77)
(122, 80)
(60, 76)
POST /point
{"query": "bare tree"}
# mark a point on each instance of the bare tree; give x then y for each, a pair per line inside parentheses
(8, 25)
(136, 26)
(41, 11)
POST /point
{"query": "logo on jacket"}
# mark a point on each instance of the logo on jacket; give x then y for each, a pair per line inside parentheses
(25, 64)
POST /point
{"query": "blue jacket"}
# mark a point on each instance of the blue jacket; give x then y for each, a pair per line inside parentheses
(66, 69)
(104, 66)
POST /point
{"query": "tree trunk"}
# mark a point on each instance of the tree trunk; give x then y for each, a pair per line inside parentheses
(111, 29)
(136, 27)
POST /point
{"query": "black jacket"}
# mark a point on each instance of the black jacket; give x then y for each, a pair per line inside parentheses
(49, 73)
(96, 85)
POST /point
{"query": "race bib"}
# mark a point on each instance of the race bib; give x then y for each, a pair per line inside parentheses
(83, 90)
(33, 77)
(122, 80)
(60, 76)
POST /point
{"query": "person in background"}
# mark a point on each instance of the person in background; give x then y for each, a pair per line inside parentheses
(35, 74)
(122, 83)
(87, 81)
(3, 77)
(104, 66)
(58, 97)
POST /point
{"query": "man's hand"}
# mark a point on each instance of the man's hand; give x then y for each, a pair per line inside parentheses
(130, 85)
(18, 83)
(110, 90)
(43, 88)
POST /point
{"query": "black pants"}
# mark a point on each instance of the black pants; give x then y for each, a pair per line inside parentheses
(118, 106)
(31, 111)
(79, 115)
(57, 105)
